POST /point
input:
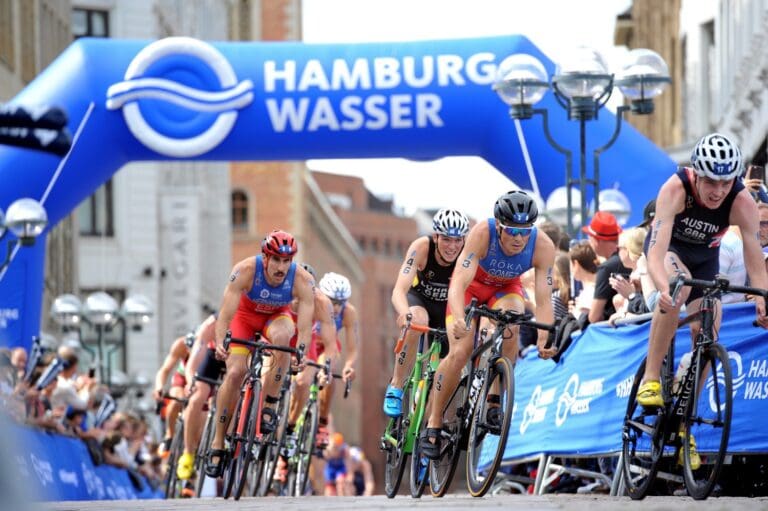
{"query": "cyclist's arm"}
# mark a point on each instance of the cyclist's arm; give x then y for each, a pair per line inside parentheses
(474, 249)
(370, 483)
(668, 204)
(543, 264)
(174, 355)
(240, 281)
(351, 326)
(327, 327)
(415, 259)
(303, 290)
(206, 332)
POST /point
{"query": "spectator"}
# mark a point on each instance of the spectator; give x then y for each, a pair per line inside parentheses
(649, 212)
(360, 480)
(629, 297)
(561, 292)
(584, 269)
(556, 233)
(603, 232)
(762, 210)
(19, 361)
(731, 263)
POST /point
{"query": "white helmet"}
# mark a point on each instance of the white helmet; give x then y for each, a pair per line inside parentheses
(450, 222)
(716, 157)
(335, 286)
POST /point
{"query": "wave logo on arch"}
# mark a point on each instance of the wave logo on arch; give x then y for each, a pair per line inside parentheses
(180, 120)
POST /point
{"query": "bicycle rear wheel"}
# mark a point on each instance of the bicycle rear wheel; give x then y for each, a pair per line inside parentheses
(642, 442)
(485, 449)
(441, 470)
(396, 456)
(305, 448)
(202, 450)
(273, 444)
(709, 422)
(172, 484)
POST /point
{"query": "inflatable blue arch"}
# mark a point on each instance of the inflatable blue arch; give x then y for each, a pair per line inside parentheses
(181, 98)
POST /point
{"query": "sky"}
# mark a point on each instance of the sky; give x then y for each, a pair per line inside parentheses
(584, 22)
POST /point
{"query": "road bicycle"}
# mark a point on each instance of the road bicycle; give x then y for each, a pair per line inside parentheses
(299, 456)
(701, 408)
(401, 435)
(246, 440)
(207, 435)
(486, 383)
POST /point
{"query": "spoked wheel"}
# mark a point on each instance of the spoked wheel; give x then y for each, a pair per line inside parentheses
(419, 464)
(236, 445)
(487, 440)
(441, 470)
(273, 444)
(202, 449)
(172, 483)
(305, 448)
(244, 455)
(708, 424)
(642, 442)
(395, 459)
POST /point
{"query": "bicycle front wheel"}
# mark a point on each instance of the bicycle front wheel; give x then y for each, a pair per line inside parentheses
(642, 442)
(441, 470)
(305, 448)
(273, 445)
(248, 440)
(707, 423)
(202, 450)
(420, 463)
(172, 484)
(489, 426)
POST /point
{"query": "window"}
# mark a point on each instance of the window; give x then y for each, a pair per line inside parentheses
(90, 23)
(239, 210)
(95, 214)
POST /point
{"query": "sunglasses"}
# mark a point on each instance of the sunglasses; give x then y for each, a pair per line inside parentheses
(763, 223)
(338, 302)
(516, 231)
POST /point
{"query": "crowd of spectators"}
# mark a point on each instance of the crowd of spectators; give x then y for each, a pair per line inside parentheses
(46, 389)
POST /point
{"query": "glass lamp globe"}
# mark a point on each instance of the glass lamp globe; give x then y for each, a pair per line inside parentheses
(137, 311)
(100, 309)
(26, 218)
(521, 80)
(66, 310)
(644, 75)
(614, 201)
(557, 206)
(583, 74)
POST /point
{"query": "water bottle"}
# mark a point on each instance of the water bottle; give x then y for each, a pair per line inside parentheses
(685, 363)
(417, 394)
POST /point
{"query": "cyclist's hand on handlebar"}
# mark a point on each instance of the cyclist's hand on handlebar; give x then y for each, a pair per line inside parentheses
(348, 374)
(460, 329)
(541, 342)
(221, 353)
(665, 302)
(762, 320)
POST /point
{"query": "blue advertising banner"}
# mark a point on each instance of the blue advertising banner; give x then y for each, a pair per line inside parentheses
(55, 467)
(578, 405)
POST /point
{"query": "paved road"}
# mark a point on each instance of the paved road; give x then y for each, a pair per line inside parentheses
(449, 503)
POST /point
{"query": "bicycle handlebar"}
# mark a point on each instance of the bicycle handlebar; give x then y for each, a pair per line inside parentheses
(424, 329)
(507, 317)
(326, 367)
(262, 346)
(719, 284)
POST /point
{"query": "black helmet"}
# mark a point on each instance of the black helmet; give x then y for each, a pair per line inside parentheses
(515, 207)
(309, 269)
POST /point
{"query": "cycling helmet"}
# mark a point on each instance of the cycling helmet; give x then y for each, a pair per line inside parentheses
(335, 286)
(279, 244)
(515, 207)
(450, 222)
(716, 157)
(309, 269)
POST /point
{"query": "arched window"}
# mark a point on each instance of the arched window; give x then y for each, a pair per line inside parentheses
(239, 210)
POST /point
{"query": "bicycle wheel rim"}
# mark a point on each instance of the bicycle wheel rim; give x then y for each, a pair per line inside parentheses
(485, 449)
(709, 422)
(274, 445)
(246, 447)
(202, 449)
(642, 444)
(172, 490)
(394, 463)
(417, 483)
(441, 470)
(306, 447)
(232, 461)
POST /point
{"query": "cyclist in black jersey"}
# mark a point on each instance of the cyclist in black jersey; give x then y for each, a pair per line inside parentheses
(422, 290)
(693, 211)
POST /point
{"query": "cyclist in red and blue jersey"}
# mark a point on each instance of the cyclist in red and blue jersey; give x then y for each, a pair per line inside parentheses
(257, 300)
(496, 253)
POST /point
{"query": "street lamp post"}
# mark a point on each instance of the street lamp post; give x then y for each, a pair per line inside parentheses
(582, 85)
(26, 218)
(100, 311)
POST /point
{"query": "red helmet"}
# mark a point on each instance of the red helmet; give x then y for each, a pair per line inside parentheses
(279, 244)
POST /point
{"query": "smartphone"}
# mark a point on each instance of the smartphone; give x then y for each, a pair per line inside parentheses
(756, 172)
(92, 372)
